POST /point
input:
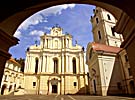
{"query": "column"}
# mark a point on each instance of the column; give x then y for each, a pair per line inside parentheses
(67, 64)
(58, 87)
(26, 64)
(62, 63)
(70, 64)
(81, 63)
(30, 58)
(44, 64)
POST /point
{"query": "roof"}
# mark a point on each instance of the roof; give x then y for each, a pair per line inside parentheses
(105, 48)
(12, 60)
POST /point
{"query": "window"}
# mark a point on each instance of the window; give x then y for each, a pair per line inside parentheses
(90, 53)
(67, 43)
(75, 84)
(55, 65)
(47, 42)
(74, 65)
(36, 65)
(129, 71)
(97, 20)
(113, 34)
(6, 78)
(10, 88)
(126, 58)
(99, 35)
(116, 44)
(109, 18)
(34, 83)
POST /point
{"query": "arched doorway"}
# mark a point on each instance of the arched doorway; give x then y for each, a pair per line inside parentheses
(54, 89)
(3, 89)
(54, 85)
(10, 88)
(132, 87)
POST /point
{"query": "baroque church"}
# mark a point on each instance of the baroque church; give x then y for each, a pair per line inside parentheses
(108, 63)
(55, 66)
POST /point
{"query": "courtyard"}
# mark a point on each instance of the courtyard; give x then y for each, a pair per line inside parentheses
(62, 97)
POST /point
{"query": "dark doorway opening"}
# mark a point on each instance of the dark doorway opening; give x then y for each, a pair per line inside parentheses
(95, 89)
(54, 88)
(3, 89)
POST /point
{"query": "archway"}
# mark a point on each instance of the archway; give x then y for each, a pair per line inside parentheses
(10, 88)
(11, 20)
(54, 89)
(132, 87)
(3, 89)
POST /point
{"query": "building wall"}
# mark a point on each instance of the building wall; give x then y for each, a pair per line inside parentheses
(107, 73)
(128, 75)
(105, 26)
(55, 50)
(12, 77)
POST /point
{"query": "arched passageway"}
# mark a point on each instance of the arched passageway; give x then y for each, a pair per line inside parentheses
(3, 89)
(15, 12)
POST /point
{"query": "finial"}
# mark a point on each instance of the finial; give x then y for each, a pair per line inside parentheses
(36, 42)
(76, 42)
(57, 25)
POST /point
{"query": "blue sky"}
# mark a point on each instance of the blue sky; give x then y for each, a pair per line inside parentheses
(73, 18)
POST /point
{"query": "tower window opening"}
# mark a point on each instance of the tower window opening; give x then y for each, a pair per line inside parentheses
(99, 35)
(109, 18)
(74, 65)
(36, 65)
(97, 21)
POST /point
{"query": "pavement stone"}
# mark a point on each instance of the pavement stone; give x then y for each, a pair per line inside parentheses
(62, 97)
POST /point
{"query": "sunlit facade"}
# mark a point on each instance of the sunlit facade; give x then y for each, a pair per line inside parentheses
(109, 73)
(55, 66)
(12, 78)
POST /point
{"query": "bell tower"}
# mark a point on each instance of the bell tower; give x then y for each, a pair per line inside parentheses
(102, 28)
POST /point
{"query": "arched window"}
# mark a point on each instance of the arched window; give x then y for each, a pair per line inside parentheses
(97, 21)
(67, 43)
(36, 65)
(109, 18)
(55, 60)
(47, 43)
(90, 53)
(99, 35)
(113, 34)
(74, 65)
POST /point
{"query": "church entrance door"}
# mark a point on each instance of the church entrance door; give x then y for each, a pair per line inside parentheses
(54, 88)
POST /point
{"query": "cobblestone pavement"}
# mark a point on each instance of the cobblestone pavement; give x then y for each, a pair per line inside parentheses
(62, 97)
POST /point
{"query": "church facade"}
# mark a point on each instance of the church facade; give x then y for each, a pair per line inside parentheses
(55, 66)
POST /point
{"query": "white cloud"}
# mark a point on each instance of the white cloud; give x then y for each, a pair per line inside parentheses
(33, 20)
(36, 33)
(17, 34)
(47, 28)
(38, 18)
